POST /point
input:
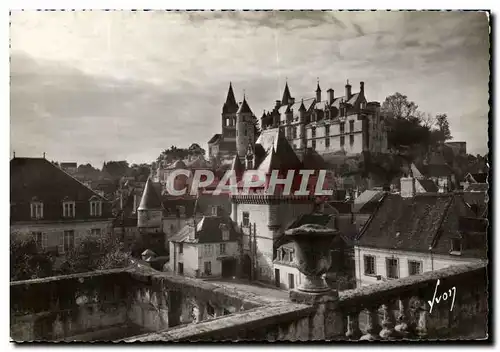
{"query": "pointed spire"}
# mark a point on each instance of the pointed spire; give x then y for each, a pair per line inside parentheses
(302, 106)
(237, 167)
(230, 106)
(286, 95)
(150, 199)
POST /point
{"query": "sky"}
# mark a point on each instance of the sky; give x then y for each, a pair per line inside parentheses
(95, 86)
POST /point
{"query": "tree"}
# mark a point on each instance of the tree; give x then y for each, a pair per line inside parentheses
(26, 261)
(195, 150)
(116, 169)
(95, 253)
(399, 107)
(443, 127)
(256, 128)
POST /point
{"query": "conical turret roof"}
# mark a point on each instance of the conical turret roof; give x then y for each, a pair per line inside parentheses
(302, 107)
(150, 199)
(244, 108)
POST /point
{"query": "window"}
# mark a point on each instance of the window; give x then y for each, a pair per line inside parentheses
(456, 245)
(414, 267)
(208, 268)
(37, 210)
(342, 141)
(40, 240)
(351, 139)
(327, 142)
(392, 268)
(342, 127)
(214, 210)
(290, 256)
(95, 208)
(294, 134)
(207, 249)
(69, 209)
(180, 268)
(351, 126)
(225, 234)
(313, 144)
(246, 218)
(181, 248)
(313, 132)
(327, 131)
(95, 232)
(68, 240)
(222, 248)
(210, 310)
(369, 265)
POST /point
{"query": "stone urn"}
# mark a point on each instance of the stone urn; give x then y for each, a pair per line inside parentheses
(313, 244)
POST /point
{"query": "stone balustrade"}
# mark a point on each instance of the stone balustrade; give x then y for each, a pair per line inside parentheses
(167, 307)
(397, 309)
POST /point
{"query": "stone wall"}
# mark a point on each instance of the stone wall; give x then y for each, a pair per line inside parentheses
(133, 301)
(369, 313)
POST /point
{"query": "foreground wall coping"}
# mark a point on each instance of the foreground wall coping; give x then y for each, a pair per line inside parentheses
(229, 325)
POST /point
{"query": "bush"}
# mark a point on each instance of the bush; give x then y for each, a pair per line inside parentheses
(26, 262)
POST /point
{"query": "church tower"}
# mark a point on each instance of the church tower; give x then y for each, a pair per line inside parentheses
(229, 111)
(244, 129)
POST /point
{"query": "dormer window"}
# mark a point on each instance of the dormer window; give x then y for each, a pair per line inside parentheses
(456, 246)
(36, 210)
(95, 208)
(69, 209)
(290, 256)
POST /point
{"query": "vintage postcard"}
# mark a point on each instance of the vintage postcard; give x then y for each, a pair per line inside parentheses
(249, 176)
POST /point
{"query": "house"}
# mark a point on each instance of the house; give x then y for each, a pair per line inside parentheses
(209, 249)
(475, 179)
(364, 205)
(70, 168)
(437, 171)
(53, 207)
(411, 233)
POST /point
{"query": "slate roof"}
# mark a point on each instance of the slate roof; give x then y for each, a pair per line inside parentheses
(230, 106)
(343, 207)
(286, 95)
(244, 108)
(38, 179)
(478, 187)
(415, 224)
(479, 177)
(215, 138)
(367, 201)
(428, 185)
(150, 198)
(208, 230)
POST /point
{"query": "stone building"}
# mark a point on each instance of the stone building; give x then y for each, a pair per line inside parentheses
(53, 207)
(413, 233)
(348, 124)
(265, 216)
(209, 249)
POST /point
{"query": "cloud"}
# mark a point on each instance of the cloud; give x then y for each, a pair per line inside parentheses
(101, 85)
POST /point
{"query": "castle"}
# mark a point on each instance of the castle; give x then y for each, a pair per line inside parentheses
(345, 125)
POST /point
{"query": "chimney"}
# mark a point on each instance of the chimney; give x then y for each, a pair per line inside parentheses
(347, 91)
(331, 97)
(362, 88)
(407, 187)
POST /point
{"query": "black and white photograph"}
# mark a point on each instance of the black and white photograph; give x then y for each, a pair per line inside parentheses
(250, 176)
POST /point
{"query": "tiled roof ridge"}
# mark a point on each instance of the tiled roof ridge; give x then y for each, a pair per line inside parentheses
(365, 226)
(69, 175)
(435, 237)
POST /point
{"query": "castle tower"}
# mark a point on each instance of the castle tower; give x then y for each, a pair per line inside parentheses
(229, 111)
(302, 126)
(244, 129)
(150, 210)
